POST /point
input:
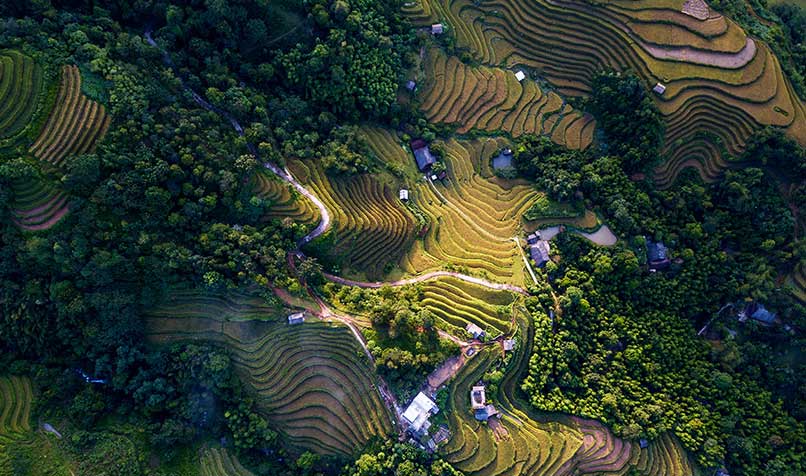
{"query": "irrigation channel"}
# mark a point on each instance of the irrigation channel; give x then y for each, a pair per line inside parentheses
(324, 225)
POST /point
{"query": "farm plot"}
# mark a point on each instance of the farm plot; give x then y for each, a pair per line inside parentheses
(15, 412)
(718, 80)
(23, 99)
(37, 205)
(312, 381)
(29, 125)
(229, 306)
(528, 446)
(219, 462)
(372, 228)
(492, 99)
(285, 201)
(75, 125)
(456, 303)
(473, 219)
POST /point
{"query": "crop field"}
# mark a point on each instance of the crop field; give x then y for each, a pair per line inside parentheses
(529, 446)
(473, 217)
(719, 81)
(228, 306)
(285, 201)
(37, 205)
(75, 125)
(23, 98)
(313, 382)
(372, 228)
(15, 410)
(219, 462)
(455, 303)
(491, 99)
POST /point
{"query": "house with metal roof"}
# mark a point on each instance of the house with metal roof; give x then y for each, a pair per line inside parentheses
(657, 255)
(474, 330)
(484, 414)
(422, 154)
(503, 160)
(478, 397)
(509, 344)
(437, 29)
(296, 318)
(540, 252)
(418, 412)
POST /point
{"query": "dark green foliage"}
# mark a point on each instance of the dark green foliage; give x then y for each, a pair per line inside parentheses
(629, 118)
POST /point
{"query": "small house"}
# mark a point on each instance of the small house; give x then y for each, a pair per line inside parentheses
(442, 434)
(533, 238)
(411, 85)
(422, 154)
(509, 344)
(296, 318)
(758, 312)
(657, 255)
(474, 330)
(484, 414)
(478, 397)
(520, 76)
(659, 89)
(418, 412)
(404, 195)
(643, 443)
(540, 252)
(503, 160)
(437, 29)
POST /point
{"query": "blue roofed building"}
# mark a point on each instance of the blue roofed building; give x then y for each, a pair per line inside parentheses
(422, 154)
(657, 255)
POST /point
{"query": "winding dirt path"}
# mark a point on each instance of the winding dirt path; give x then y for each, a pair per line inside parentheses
(427, 277)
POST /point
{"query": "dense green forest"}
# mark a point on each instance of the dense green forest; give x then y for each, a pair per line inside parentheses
(166, 201)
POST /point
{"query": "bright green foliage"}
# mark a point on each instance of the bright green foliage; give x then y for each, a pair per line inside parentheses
(393, 459)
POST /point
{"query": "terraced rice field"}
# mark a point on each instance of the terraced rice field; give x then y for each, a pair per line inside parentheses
(285, 201)
(38, 205)
(492, 99)
(229, 306)
(23, 98)
(312, 381)
(75, 125)
(372, 228)
(797, 280)
(456, 303)
(219, 462)
(15, 413)
(721, 85)
(473, 217)
(528, 446)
